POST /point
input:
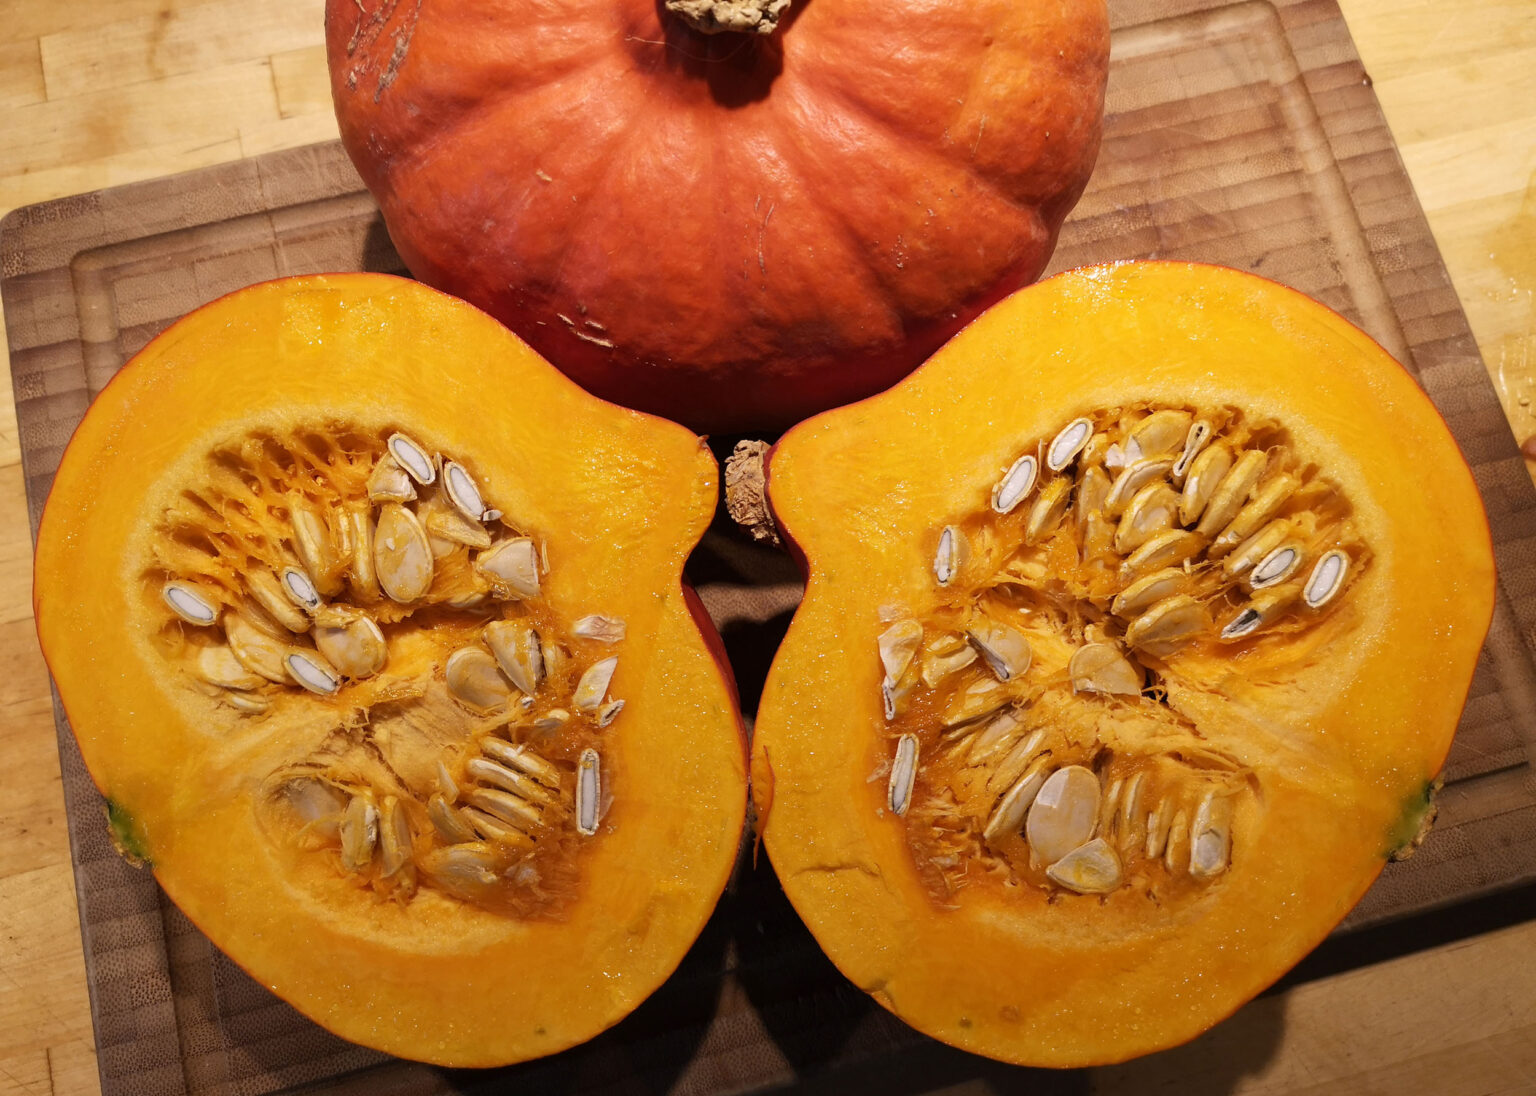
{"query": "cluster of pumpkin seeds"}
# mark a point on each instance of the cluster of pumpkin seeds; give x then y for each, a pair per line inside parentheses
(355, 593)
(1033, 738)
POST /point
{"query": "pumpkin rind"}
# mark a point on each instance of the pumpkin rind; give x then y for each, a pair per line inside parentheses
(622, 499)
(733, 233)
(1358, 733)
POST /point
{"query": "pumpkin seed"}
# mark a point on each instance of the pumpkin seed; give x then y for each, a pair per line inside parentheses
(1015, 485)
(1064, 813)
(1263, 609)
(1200, 432)
(593, 686)
(507, 779)
(1258, 546)
(1005, 651)
(248, 703)
(300, 590)
(218, 665)
(1068, 444)
(189, 603)
(316, 550)
(359, 833)
(1229, 496)
(1013, 764)
(394, 837)
(519, 653)
(1278, 566)
(1162, 550)
(1326, 579)
(1158, 823)
(388, 482)
(898, 646)
(496, 829)
(1091, 868)
(1148, 589)
(1132, 480)
(588, 792)
(506, 807)
(1158, 433)
(418, 464)
(1151, 512)
(1093, 490)
(1168, 625)
(552, 720)
(950, 559)
(475, 680)
(1009, 814)
(1129, 828)
(977, 701)
(1101, 668)
(447, 821)
(602, 628)
(1266, 503)
(1210, 840)
(360, 564)
(903, 775)
(609, 712)
(1176, 852)
(1048, 510)
(523, 759)
(402, 557)
(267, 591)
(998, 734)
(463, 492)
(1205, 474)
(937, 667)
(512, 567)
(257, 651)
(312, 672)
(452, 527)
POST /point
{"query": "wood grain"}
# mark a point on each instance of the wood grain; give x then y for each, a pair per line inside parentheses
(1455, 82)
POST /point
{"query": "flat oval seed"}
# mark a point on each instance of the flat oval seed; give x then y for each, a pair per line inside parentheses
(316, 550)
(1132, 480)
(269, 592)
(512, 565)
(898, 645)
(474, 679)
(359, 833)
(1263, 608)
(1015, 762)
(1008, 816)
(257, 651)
(523, 759)
(1091, 868)
(1101, 668)
(1257, 547)
(312, 672)
(1327, 578)
(507, 807)
(217, 665)
(952, 553)
(1015, 485)
(413, 458)
(519, 653)
(1150, 589)
(496, 829)
(1158, 823)
(1064, 813)
(609, 712)
(357, 648)
(1152, 511)
(1170, 547)
(448, 823)
(605, 629)
(394, 836)
(388, 482)
(1156, 434)
(1266, 503)
(1199, 433)
(402, 557)
(1128, 822)
(593, 685)
(903, 775)
(507, 779)
(463, 491)
(1278, 566)
(999, 734)
(1048, 509)
(588, 792)
(1205, 474)
(300, 590)
(1005, 650)
(1093, 489)
(1169, 624)
(1068, 444)
(1232, 492)
(188, 603)
(1210, 836)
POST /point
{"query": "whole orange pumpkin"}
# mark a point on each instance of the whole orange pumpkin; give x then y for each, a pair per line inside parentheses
(734, 230)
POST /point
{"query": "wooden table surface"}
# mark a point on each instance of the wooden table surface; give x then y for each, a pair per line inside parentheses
(95, 94)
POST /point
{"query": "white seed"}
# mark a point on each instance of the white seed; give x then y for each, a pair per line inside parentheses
(1232, 492)
(508, 807)
(189, 603)
(1132, 480)
(496, 829)
(1200, 432)
(1205, 474)
(1156, 434)
(359, 833)
(1153, 511)
(249, 703)
(1091, 868)
(1101, 668)
(402, 558)
(1005, 650)
(318, 805)
(217, 665)
(1158, 824)
(976, 701)
(1128, 821)
(609, 712)
(523, 759)
(451, 527)
(356, 649)
(394, 836)
(1278, 566)
(389, 483)
(358, 521)
(1150, 589)
(1108, 806)
(1266, 503)
(512, 567)
(446, 785)
(257, 651)
(588, 792)
(1166, 549)
(1014, 762)
(937, 667)
(1262, 609)
(552, 720)
(1327, 578)
(1167, 625)
(467, 869)
(903, 774)
(593, 686)
(602, 628)
(417, 463)
(1068, 444)
(1015, 485)
(447, 821)
(508, 779)
(316, 550)
(474, 679)
(1092, 493)
(1064, 813)
(898, 645)
(463, 492)
(1210, 837)
(519, 653)
(999, 734)
(1048, 510)
(268, 592)
(951, 556)
(1008, 816)
(312, 672)
(1176, 853)
(300, 590)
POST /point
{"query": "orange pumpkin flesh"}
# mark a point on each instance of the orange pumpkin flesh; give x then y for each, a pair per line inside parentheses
(1311, 740)
(729, 230)
(564, 933)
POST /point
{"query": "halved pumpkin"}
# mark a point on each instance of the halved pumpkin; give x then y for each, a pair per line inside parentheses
(371, 628)
(1137, 626)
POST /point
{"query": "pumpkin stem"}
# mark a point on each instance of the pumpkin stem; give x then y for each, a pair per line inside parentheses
(723, 16)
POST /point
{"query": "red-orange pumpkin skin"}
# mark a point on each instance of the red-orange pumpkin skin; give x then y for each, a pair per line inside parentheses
(733, 232)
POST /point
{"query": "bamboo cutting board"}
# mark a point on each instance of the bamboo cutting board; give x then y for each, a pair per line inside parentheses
(1238, 133)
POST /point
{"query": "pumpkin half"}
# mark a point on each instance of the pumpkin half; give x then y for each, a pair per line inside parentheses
(1134, 636)
(371, 629)
(733, 230)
